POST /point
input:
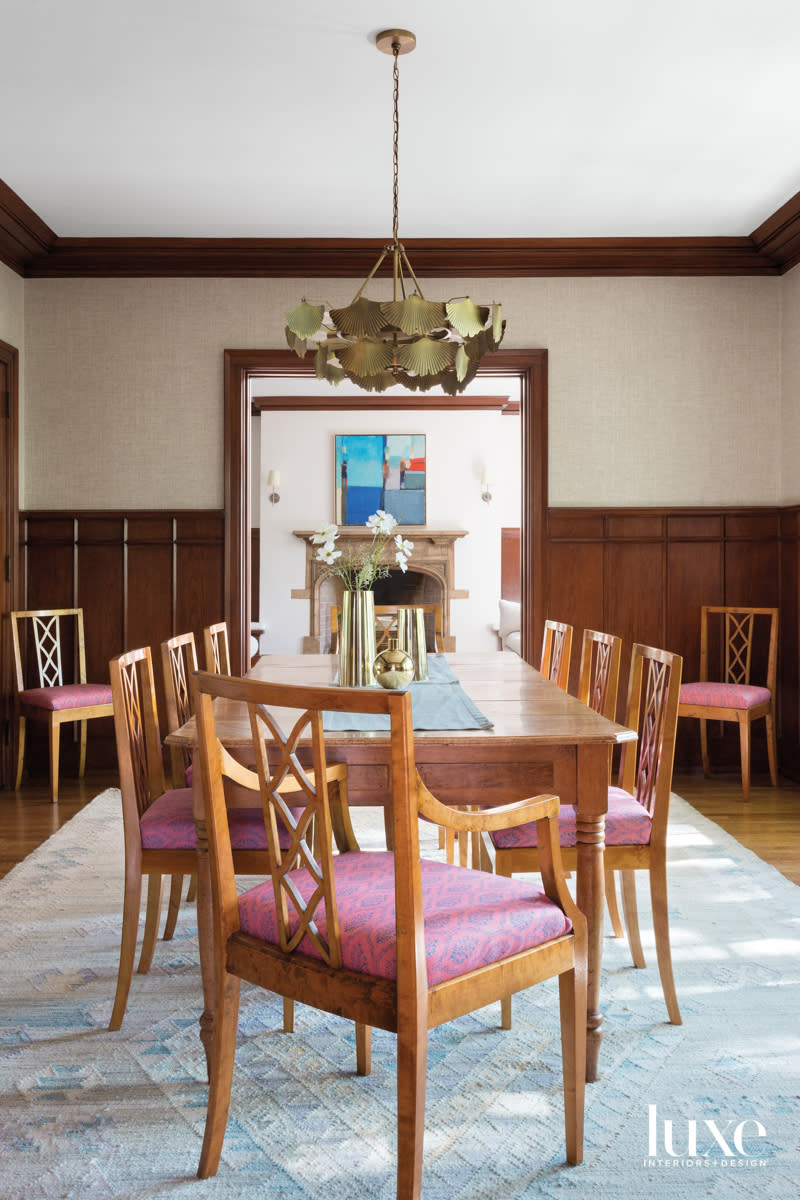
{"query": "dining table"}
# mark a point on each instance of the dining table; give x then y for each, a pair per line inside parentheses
(535, 738)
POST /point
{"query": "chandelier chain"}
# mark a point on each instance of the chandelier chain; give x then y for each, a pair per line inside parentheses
(396, 138)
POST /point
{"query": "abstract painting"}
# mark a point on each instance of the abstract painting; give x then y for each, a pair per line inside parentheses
(380, 470)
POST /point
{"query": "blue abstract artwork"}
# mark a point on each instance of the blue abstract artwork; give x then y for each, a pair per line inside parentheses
(374, 470)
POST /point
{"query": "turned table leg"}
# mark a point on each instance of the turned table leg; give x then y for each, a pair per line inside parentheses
(592, 804)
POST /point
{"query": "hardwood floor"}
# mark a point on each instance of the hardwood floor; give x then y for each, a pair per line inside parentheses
(769, 824)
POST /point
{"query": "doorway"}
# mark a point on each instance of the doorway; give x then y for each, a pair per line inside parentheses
(241, 366)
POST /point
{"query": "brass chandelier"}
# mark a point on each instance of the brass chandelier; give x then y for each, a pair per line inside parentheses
(408, 340)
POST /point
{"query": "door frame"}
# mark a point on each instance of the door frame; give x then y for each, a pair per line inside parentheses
(241, 366)
(9, 572)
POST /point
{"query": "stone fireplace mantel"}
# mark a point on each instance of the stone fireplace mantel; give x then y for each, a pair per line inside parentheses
(432, 562)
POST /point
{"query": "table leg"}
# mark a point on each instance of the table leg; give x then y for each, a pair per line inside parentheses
(205, 926)
(592, 805)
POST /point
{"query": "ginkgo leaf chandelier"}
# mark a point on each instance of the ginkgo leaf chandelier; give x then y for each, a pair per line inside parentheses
(408, 340)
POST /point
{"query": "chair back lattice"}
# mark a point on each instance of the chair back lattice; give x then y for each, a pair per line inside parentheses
(136, 727)
(307, 827)
(741, 641)
(599, 672)
(738, 646)
(215, 642)
(178, 663)
(652, 711)
(556, 652)
(44, 629)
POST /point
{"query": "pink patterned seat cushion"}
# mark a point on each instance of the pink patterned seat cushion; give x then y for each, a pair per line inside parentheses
(627, 824)
(168, 824)
(471, 917)
(68, 695)
(724, 695)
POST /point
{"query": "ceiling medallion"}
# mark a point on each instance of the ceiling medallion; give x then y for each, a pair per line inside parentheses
(408, 340)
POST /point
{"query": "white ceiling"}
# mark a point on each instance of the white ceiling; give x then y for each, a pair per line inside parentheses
(522, 118)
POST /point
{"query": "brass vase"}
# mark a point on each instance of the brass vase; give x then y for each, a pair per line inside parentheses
(411, 638)
(357, 640)
(393, 668)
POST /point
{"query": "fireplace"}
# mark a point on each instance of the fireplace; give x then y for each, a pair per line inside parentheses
(430, 579)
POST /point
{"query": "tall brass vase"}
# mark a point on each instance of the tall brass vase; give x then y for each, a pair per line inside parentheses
(357, 647)
(411, 638)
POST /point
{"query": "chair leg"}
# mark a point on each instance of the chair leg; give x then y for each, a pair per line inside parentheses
(658, 899)
(151, 923)
(220, 1075)
(505, 1012)
(82, 762)
(744, 742)
(20, 751)
(191, 893)
(288, 1015)
(363, 1049)
(613, 906)
(55, 744)
(175, 890)
(632, 917)
(572, 1004)
(704, 747)
(412, 1056)
(772, 749)
(127, 953)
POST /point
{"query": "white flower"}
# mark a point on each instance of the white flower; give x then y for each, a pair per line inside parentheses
(328, 533)
(401, 561)
(382, 522)
(405, 547)
(328, 553)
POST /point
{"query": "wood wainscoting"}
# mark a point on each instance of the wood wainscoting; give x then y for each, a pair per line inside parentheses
(140, 577)
(644, 573)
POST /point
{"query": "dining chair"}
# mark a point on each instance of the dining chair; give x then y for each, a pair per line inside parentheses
(42, 640)
(158, 822)
(556, 653)
(386, 938)
(638, 809)
(217, 648)
(598, 687)
(733, 697)
(178, 664)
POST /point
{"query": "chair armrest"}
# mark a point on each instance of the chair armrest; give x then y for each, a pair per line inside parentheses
(505, 816)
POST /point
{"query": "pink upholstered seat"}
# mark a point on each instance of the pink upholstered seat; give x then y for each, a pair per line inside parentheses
(471, 918)
(627, 823)
(168, 824)
(724, 695)
(68, 695)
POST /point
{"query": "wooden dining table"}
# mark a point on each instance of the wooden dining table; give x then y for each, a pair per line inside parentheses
(541, 740)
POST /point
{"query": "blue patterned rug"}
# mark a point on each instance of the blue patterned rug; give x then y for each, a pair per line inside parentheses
(706, 1109)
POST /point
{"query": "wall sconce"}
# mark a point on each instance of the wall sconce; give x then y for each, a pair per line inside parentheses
(486, 488)
(274, 482)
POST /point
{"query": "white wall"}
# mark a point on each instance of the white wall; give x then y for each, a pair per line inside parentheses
(123, 393)
(790, 417)
(459, 445)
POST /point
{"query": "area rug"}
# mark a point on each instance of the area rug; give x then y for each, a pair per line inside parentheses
(706, 1109)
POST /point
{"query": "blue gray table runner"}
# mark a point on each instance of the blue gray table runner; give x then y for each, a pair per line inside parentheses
(439, 702)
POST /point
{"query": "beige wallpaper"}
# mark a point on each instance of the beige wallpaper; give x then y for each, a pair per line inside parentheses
(12, 300)
(790, 421)
(659, 388)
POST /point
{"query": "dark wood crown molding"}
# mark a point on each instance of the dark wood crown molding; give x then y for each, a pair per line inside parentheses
(31, 248)
(24, 237)
(779, 236)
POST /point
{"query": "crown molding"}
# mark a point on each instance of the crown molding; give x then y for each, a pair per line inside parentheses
(779, 236)
(24, 237)
(32, 249)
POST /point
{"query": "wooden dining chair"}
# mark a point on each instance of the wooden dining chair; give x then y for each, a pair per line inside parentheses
(727, 693)
(178, 664)
(388, 939)
(556, 653)
(598, 687)
(638, 809)
(158, 823)
(47, 690)
(217, 648)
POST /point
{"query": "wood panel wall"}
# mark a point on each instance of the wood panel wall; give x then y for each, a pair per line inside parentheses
(644, 573)
(140, 577)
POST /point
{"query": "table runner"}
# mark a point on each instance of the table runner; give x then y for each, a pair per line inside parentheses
(439, 702)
